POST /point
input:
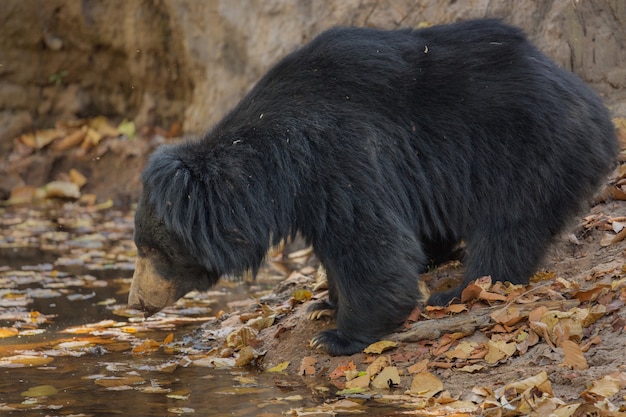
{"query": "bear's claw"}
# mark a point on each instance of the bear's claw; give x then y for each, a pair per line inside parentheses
(335, 344)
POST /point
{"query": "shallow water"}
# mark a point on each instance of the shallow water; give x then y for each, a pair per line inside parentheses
(65, 268)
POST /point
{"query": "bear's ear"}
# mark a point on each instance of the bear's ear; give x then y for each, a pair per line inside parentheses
(208, 207)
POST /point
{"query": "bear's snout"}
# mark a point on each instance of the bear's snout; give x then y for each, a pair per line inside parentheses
(150, 292)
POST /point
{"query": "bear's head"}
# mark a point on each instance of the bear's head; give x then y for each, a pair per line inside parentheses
(164, 269)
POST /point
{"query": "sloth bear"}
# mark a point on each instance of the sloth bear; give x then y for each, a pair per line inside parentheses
(381, 148)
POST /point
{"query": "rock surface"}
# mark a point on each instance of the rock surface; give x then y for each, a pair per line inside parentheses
(187, 62)
(190, 61)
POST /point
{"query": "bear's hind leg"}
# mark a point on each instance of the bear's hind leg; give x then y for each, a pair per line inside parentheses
(506, 254)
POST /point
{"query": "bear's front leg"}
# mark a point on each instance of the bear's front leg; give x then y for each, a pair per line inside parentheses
(373, 298)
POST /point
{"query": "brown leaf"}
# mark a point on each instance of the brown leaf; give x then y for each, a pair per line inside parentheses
(340, 370)
(574, 357)
(499, 350)
(387, 378)
(507, 316)
(426, 385)
(40, 138)
(378, 365)
(362, 381)
(70, 141)
(246, 355)
(418, 367)
(110, 382)
(307, 366)
(77, 177)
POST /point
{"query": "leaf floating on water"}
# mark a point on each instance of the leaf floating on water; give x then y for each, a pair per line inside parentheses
(214, 362)
(40, 391)
(147, 346)
(75, 297)
(25, 360)
(181, 410)
(116, 381)
(8, 332)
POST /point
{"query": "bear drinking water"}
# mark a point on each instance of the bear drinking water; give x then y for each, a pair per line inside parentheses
(377, 146)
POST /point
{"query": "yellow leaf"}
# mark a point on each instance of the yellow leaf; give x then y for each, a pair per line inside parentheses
(279, 368)
(146, 346)
(378, 365)
(70, 141)
(8, 332)
(104, 128)
(379, 347)
(462, 351)
(77, 177)
(471, 368)
(40, 138)
(302, 295)
(168, 339)
(40, 391)
(507, 316)
(127, 128)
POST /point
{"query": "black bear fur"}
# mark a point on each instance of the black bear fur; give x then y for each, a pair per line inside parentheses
(376, 146)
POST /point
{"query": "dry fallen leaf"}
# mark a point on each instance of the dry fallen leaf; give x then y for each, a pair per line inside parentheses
(246, 355)
(426, 385)
(378, 365)
(307, 366)
(499, 350)
(574, 357)
(380, 346)
(61, 189)
(387, 378)
(278, 368)
(603, 388)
